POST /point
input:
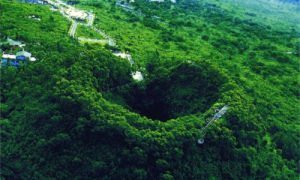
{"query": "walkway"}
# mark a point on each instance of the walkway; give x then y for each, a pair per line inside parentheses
(217, 116)
(92, 40)
(73, 30)
(90, 19)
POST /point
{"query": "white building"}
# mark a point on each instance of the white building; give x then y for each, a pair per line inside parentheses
(137, 76)
(32, 59)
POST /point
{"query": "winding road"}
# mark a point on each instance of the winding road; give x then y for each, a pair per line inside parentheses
(90, 18)
(62, 6)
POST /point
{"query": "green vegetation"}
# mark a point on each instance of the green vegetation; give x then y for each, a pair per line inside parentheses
(174, 91)
(87, 32)
(76, 113)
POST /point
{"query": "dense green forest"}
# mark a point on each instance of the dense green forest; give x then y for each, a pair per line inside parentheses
(76, 112)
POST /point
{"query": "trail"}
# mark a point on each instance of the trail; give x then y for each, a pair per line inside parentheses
(92, 40)
(217, 116)
(59, 4)
(91, 19)
(74, 27)
(110, 40)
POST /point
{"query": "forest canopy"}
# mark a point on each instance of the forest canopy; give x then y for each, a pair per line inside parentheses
(77, 113)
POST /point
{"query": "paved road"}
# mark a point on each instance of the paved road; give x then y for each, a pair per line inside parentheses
(130, 59)
(110, 40)
(91, 19)
(92, 40)
(72, 33)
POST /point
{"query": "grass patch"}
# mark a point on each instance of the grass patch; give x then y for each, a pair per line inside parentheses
(87, 32)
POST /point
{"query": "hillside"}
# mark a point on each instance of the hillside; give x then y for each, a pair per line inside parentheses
(218, 97)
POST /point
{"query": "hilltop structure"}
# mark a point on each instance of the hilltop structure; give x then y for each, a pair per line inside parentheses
(76, 14)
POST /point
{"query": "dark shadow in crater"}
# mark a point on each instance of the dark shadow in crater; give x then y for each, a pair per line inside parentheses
(168, 93)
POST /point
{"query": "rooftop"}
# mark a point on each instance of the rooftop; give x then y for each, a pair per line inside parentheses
(13, 43)
(137, 76)
(32, 59)
(24, 53)
(9, 56)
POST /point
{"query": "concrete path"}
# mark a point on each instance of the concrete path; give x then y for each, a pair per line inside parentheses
(110, 40)
(74, 27)
(91, 19)
(217, 116)
(92, 40)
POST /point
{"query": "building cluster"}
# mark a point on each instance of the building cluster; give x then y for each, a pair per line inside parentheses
(34, 1)
(17, 59)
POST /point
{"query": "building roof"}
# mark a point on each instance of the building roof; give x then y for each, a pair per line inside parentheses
(13, 43)
(14, 63)
(32, 59)
(8, 56)
(137, 76)
(200, 141)
(24, 53)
